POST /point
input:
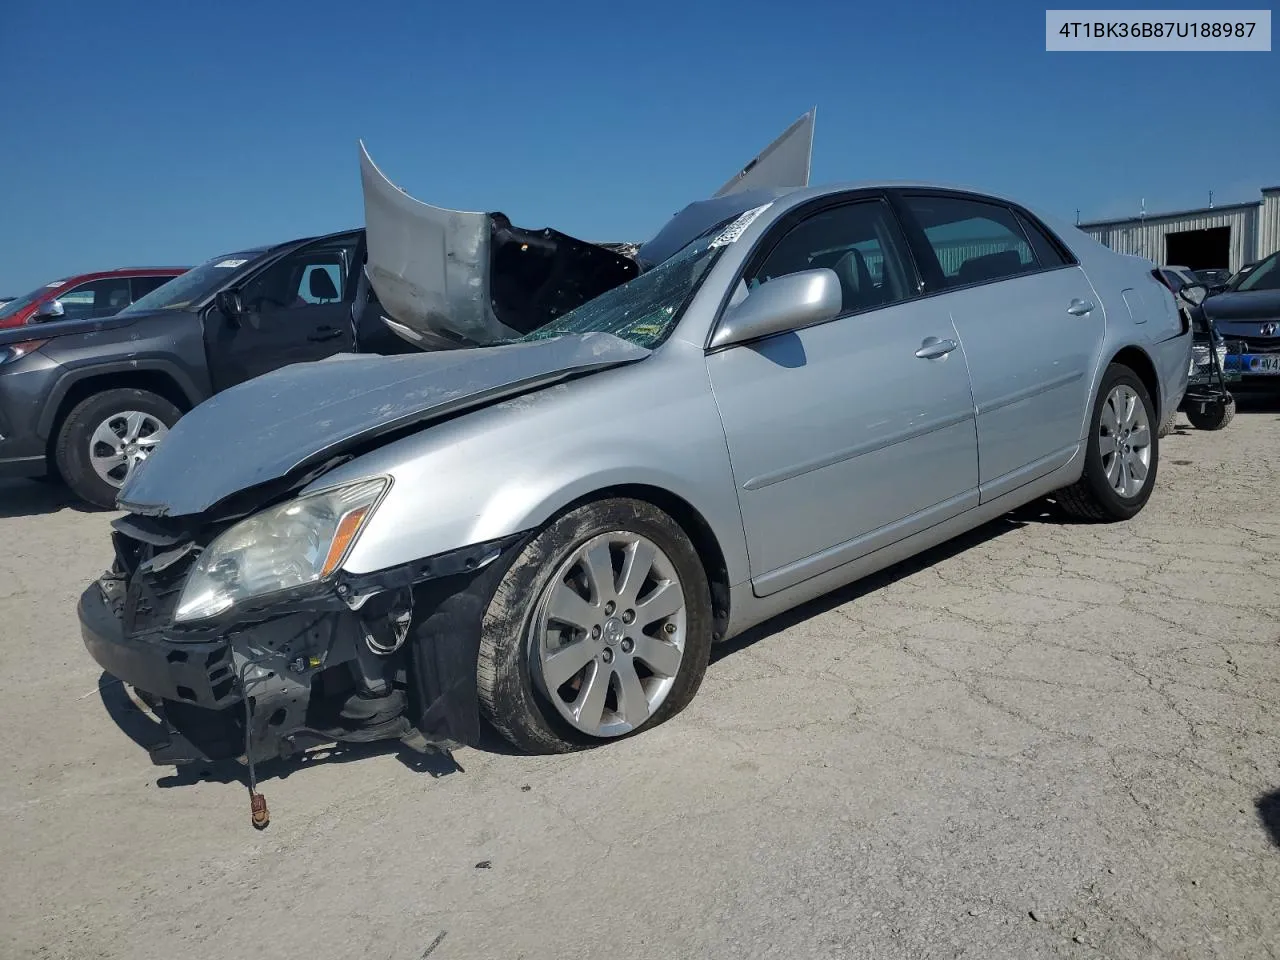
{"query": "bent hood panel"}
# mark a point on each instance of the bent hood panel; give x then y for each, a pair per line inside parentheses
(429, 265)
(279, 423)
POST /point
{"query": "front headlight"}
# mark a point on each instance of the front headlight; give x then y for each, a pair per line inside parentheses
(288, 546)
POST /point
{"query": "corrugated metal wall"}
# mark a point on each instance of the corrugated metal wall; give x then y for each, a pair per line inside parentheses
(1268, 224)
(1145, 238)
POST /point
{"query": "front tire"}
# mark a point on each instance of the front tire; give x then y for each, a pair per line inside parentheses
(106, 436)
(600, 628)
(1122, 454)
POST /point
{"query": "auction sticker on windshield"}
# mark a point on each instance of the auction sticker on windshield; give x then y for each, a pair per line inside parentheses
(736, 229)
(231, 263)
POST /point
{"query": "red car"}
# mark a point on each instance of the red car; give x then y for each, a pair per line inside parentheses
(86, 295)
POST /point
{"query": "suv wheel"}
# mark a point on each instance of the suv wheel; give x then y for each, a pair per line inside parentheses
(106, 436)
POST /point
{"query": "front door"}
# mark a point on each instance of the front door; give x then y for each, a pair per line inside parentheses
(842, 436)
(295, 310)
(1031, 325)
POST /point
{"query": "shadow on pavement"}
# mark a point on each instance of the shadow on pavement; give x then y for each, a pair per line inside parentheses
(30, 498)
(1040, 511)
(147, 732)
(1269, 813)
(1258, 402)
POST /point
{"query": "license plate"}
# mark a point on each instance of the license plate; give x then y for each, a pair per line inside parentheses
(1268, 365)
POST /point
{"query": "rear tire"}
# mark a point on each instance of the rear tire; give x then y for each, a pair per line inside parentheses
(1095, 496)
(73, 453)
(1214, 416)
(511, 676)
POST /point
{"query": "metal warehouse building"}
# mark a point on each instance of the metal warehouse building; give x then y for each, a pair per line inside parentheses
(1225, 237)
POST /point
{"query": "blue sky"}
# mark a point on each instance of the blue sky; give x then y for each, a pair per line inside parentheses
(170, 132)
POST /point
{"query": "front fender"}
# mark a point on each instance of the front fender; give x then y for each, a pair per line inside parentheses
(512, 467)
(74, 376)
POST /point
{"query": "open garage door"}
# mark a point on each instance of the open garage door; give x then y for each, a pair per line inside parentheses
(1199, 249)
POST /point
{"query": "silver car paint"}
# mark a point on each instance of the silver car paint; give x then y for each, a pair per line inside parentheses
(317, 409)
(783, 163)
(663, 423)
(428, 262)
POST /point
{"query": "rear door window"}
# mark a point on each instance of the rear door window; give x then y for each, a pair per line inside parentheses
(972, 241)
(315, 274)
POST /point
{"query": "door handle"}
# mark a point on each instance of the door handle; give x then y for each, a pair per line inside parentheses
(324, 333)
(933, 348)
(1079, 308)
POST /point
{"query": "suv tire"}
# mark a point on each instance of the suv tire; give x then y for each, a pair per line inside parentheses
(76, 443)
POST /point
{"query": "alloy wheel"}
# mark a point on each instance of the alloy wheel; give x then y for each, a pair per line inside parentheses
(609, 634)
(1124, 441)
(123, 441)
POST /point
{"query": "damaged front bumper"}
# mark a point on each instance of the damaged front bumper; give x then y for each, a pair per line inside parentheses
(390, 655)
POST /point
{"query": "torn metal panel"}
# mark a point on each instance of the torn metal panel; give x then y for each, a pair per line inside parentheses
(449, 278)
(783, 163)
(428, 263)
(305, 414)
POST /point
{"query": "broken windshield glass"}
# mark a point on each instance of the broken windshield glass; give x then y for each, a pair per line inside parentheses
(644, 311)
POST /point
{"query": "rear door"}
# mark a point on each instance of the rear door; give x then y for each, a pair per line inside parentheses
(1029, 322)
(297, 309)
(846, 435)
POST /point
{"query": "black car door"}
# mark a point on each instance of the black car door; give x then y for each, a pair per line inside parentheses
(295, 310)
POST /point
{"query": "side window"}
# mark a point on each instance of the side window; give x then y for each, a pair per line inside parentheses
(974, 242)
(144, 285)
(1048, 250)
(859, 241)
(315, 274)
(97, 298)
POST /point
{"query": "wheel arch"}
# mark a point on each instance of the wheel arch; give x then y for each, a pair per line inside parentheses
(690, 520)
(75, 390)
(1139, 361)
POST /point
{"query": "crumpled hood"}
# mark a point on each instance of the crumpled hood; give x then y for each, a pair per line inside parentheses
(303, 415)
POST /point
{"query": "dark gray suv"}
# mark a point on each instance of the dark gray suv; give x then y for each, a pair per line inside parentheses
(87, 400)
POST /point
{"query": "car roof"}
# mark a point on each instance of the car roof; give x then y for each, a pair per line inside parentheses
(122, 272)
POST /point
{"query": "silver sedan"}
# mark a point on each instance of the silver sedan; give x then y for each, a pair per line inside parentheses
(799, 386)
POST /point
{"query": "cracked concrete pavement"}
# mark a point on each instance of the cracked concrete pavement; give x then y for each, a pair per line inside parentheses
(1043, 740)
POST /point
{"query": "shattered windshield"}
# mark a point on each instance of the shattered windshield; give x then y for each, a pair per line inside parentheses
(644, 310)
(192, 286)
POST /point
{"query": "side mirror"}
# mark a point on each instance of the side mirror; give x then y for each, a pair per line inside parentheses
(50, 310)
(229, 305)
(1194, 293)
(787, 303)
